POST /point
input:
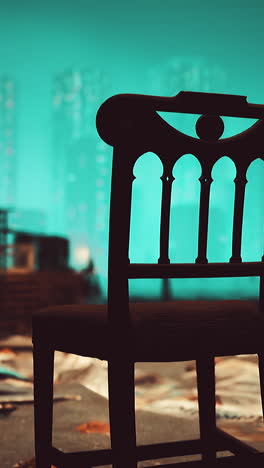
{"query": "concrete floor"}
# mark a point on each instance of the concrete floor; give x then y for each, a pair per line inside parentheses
(17, 427)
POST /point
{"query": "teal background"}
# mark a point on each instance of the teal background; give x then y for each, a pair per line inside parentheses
(136, 47)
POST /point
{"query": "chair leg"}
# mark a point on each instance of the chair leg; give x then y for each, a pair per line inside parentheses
(122, 413)
(261, 378)
(205, 370)
(43, 359)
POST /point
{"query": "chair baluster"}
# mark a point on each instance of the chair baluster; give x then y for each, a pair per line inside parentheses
(206, 181)
(167, 179)
(240, 183)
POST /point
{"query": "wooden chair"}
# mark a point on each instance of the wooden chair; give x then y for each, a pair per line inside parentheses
(123, 332)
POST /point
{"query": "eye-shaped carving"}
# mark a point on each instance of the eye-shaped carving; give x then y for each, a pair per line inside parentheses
(209, 127)
(187, 124)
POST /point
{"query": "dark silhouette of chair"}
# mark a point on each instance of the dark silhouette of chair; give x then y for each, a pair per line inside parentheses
(124, 332)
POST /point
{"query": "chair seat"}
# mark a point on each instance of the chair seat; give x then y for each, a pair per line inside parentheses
(161, 331)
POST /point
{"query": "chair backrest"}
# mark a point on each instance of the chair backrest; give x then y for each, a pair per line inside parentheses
(131, 124)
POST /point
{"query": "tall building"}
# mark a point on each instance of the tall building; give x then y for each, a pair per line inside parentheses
(8, 176)
(187, 74)
(81, 166)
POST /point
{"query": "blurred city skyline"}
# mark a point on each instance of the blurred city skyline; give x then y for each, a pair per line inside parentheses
(146, 47)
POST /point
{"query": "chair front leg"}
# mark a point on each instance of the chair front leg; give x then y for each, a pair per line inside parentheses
(122, 413)
(43, 359)
(205, 369)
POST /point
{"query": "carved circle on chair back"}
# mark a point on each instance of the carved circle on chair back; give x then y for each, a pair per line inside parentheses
(209, 127)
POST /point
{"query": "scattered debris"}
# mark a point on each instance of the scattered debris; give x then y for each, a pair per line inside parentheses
(192, 397)
(7, 354)
(96, 427)
(218, 400)
(6, 408)
(29, 399)
(18, 342)
(147, 379)
(8, 373)
(155, 390)
(190, 366)
(27, 464)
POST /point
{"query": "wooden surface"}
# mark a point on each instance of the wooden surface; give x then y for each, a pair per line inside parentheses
(21, 294)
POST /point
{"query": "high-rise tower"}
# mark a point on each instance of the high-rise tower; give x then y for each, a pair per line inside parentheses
(8, 177)
(81, 166)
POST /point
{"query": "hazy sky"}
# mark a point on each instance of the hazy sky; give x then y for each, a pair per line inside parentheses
(48, 36)
(39, 39)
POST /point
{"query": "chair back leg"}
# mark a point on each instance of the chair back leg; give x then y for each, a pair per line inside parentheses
(43, 360)
(205, 369)
(122, 413)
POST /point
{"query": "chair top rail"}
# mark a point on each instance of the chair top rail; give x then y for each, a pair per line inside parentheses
(194, 103)
(194, 270)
